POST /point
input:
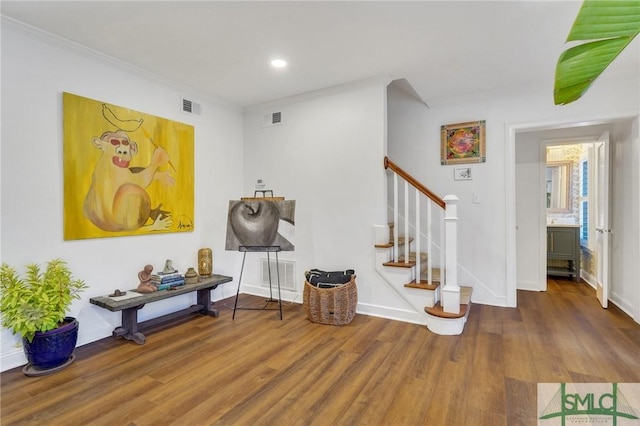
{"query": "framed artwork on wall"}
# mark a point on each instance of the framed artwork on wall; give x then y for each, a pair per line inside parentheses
(463, 143)
(125, 172)
(462, 173)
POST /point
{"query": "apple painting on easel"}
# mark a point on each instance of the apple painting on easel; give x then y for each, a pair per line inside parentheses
(261, 223)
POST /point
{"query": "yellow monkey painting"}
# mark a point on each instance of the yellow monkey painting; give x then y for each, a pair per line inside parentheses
(126, 172)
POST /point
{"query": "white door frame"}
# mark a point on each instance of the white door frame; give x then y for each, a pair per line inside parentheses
(510, 174)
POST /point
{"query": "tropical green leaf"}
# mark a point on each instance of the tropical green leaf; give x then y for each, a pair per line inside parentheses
(607, 26)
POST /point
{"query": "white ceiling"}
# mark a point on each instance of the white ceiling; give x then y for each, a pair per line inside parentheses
(443, 48)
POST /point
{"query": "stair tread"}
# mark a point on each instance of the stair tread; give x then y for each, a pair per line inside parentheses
(401, 241)
(423, 285)
(465, 302)
(438, 311)
(409, 264)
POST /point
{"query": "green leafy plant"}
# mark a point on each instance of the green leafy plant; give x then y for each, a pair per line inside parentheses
(607, 27)
(40, 301)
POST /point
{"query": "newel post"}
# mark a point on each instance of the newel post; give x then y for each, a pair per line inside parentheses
(450, 293)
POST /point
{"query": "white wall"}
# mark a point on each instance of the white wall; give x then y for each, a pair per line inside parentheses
(625, 217)
(528, 219)
(36, 70)
(484, 241)
(328, 156)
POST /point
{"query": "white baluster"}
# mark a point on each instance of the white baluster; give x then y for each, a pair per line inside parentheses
(429, 257)
(418, 265)
(451, 290)
(406, 222)
(395, 217)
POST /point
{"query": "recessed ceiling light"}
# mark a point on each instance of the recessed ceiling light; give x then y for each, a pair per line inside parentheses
(278, 63)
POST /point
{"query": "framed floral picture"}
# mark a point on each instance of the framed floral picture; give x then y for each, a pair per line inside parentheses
(463, 143)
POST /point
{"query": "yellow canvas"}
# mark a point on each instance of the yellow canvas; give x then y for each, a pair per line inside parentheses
(125, 172)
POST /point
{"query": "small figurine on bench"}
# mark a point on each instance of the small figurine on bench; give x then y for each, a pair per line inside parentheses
(168, 267)
(145, 285)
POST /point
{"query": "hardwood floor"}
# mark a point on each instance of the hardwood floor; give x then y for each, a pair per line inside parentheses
(258, 370)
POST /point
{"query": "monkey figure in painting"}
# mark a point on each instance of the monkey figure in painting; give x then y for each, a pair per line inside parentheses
(117, 199)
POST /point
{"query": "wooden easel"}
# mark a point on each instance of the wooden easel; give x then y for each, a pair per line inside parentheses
(264, 196)
(261, 249)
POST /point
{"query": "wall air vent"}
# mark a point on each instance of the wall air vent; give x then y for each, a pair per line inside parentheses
(190, 107)
(273, 119)
(287, 275)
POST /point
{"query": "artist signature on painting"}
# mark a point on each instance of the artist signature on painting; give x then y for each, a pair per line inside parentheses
(184, 223)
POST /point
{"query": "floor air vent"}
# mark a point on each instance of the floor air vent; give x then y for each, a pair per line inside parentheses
(287, 275)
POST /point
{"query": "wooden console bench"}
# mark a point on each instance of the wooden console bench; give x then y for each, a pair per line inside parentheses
(129, 307)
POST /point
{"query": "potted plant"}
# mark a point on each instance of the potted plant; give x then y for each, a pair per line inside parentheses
(35, 307)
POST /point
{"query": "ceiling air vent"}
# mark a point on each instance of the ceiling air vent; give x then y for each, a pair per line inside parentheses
(273, 119)
(190, 107)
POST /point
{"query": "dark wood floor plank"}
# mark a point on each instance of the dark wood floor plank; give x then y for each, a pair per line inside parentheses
(373, 400)
(518, 357)
(488, 389)
(521, 400)
(259, 370)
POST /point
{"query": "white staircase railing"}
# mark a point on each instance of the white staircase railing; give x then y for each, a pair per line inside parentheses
(449, 288)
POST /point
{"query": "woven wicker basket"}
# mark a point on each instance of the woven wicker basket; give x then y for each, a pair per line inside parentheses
(335, 305)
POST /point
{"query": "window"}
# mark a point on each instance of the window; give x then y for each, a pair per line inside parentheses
(584, 203)
(584, 223)
(585, 178)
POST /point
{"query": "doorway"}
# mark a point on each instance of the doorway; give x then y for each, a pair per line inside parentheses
(624, 199)
(572, 208)
(533, 196)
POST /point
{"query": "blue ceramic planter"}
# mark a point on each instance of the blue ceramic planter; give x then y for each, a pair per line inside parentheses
(51, 349)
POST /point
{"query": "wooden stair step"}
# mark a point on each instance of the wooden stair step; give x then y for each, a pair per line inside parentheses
(409, 264)
(423, 285)
(465, 303)
(401, 241)
(438, 311)
(412, 262)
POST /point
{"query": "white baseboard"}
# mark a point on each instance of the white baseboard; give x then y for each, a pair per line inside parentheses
(94, 335)
(391, 313)
(528, 286)
(287, 295)
(12, 359)
(588, 278)
(16, 358)
(362, 308)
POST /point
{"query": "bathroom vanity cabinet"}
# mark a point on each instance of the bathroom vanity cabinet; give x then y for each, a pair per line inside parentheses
(563, 243)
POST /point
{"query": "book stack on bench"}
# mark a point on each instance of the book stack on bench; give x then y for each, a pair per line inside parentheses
(167, 280)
